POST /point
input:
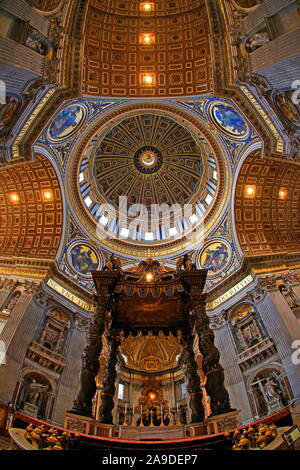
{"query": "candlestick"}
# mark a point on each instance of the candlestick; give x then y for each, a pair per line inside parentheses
(151, 420)
(141, 423)
(161, 416)
(132, 420)
(125, 418)
(177, 417)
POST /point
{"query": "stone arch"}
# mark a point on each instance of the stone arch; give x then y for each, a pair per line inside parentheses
(11, 301)
(35, 393)
(245, 4)
(46, 6)
(269, 389)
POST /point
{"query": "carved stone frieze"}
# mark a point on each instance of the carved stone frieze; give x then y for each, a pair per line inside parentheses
(42, 298)
(218, 320)
(30, 287)
(82, 323)
(8, 284)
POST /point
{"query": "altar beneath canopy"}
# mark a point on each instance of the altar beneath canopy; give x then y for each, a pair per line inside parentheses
(149, 320)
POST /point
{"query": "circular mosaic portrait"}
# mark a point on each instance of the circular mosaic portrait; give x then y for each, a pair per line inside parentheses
(83, 258)
(67, 122)
(228, 120)
(215, 257)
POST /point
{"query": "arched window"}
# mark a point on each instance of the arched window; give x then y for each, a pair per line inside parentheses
(246, 3)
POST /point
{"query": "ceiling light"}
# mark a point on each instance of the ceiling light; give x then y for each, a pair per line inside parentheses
(283, 193)
(147, 79)
(147, 7)
(250, 190)
(47, 195)
(149, 277)
(14, 197)
(147, 38)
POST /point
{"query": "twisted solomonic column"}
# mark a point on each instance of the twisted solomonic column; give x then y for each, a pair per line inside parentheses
(90, 359)
(109, 388)
(193, 379)
(215, 388)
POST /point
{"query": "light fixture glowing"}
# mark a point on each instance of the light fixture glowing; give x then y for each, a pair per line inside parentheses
(147, 79)
(250, 190)
(146, 7)
(149, 277)
(152, 396)
(147, 38)
(47, 195)
(14, 197)
(283, 193)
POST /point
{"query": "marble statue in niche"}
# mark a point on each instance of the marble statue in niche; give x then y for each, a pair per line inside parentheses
(256, 41)
(246, 328)
(12, 302)
(55, 331)
(34, 391)
(289, 295)
(272, 391)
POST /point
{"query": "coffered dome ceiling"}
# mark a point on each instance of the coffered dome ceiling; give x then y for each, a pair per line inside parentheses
(152, 160)
(165, 171)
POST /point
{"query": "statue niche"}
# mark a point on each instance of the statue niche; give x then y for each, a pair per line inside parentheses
(11, 302)
(270, 391)
(35, 396)
(55, 331)
(246, 327)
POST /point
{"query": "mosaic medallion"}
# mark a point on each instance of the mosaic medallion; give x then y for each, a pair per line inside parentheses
(148, 159)
(83, 258)
(241, 312)
(67, 122)
(228, 120)
(215, 257)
